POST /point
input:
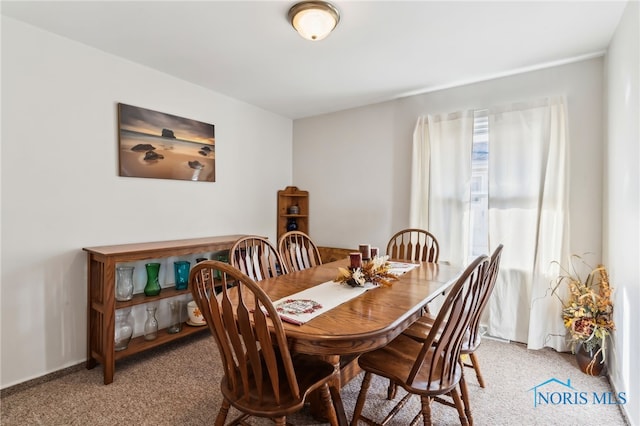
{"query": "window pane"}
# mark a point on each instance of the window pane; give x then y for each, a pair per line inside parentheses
(479, 241)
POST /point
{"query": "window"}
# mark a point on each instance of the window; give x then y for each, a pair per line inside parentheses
(528, 210)
(479, 203)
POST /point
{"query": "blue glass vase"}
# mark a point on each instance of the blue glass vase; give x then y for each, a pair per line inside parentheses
(181, 270)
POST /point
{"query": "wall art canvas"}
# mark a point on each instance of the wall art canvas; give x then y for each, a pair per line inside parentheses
(163, 146)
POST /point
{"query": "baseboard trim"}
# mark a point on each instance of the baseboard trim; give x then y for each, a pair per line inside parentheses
(42, 379)
(497, 339)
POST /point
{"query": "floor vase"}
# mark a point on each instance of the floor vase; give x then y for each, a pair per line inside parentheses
(590, 361)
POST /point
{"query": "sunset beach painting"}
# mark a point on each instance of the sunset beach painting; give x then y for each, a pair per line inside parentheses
(163, 146)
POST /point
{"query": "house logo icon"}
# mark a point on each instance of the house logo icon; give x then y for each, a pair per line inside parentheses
(539, 396)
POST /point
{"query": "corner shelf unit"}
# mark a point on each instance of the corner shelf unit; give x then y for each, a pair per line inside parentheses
(288, 197)
(102, 304)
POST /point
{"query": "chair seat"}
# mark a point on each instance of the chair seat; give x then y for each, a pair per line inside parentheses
(311, 373)
(420, 329)
(467, 345)
(396, 360)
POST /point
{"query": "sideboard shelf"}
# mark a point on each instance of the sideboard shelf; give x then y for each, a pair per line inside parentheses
(141, 298)
(101, 303)
(139, 344)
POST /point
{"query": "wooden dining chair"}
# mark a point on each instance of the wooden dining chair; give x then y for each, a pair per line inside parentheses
(417, 245)
(420, 329)
(430, 368)
(474, 336)
(260, 376)
(414, 244)
(298, 251)
(256, 257)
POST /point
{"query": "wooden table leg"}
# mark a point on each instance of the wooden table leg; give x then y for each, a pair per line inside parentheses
(336, 398)
(348, 366)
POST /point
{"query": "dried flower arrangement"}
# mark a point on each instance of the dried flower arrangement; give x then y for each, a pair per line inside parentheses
(375, 271)
(588, 312)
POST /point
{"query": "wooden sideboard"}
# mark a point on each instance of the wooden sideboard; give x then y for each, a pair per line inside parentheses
(331, 254)
(102, 304)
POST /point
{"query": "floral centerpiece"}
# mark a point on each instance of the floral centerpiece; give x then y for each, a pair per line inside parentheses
(376, 271)
(588, 311)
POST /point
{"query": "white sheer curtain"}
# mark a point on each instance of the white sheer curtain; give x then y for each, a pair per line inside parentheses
(528, 208)
(528, 213)
(440, 181)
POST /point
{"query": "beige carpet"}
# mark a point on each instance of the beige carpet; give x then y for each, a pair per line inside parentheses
(178, 385)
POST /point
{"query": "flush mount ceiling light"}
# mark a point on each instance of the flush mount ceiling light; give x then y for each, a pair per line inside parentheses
(314, 20)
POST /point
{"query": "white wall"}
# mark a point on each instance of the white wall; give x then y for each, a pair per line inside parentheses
(364, 155)
(622, 205)
(61, 190)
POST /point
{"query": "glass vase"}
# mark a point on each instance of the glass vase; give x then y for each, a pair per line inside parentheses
(176, 318)
(222, 257)
(124, 283)
(153, 283)
(181, 270)
(123, 329)
(151, 324)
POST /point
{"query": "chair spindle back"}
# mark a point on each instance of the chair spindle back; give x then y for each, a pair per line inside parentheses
(298, 252)
(414, 244)
(256, 257)
(248, 347)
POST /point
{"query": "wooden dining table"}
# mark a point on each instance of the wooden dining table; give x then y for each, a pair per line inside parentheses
(364, 323)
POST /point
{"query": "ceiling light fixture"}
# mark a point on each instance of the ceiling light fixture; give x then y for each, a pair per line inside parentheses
(314, 20)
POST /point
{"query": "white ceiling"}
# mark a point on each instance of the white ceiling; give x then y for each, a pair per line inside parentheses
(381, 50)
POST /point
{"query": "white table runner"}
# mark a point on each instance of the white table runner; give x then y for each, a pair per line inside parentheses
(399, 268)
(305, 305)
